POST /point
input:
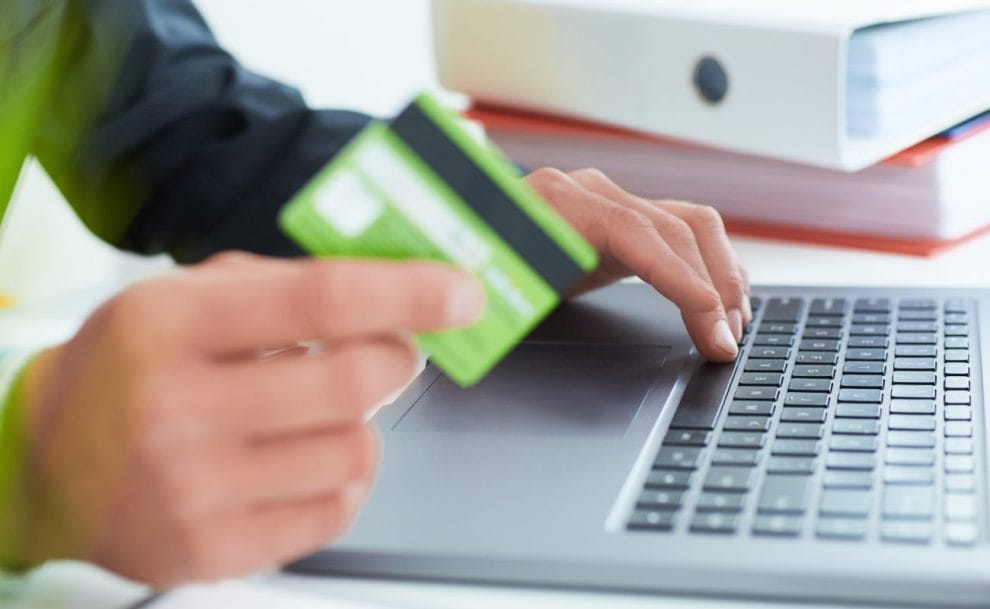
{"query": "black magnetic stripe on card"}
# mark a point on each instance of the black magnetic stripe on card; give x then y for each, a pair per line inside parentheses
(492, 204)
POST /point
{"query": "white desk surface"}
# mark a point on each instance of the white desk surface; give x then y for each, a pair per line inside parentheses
(300, 47)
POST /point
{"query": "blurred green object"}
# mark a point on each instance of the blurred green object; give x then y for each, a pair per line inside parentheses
(29, 48)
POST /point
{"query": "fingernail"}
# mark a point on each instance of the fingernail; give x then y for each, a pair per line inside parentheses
(747, 310)
(724, 339)
(465, 303)
(735, 323)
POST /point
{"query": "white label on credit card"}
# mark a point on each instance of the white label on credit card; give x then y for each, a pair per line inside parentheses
(422, 206)
(347, 205)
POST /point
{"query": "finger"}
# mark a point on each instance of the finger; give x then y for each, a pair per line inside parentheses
(264, 539)
(631, 237)
(298, 395)
(238, 307)
(302, 467)
(720, 257)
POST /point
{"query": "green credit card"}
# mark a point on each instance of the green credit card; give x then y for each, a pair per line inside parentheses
(424, 187)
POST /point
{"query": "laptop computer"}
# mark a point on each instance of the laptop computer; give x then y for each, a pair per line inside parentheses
(842, 457)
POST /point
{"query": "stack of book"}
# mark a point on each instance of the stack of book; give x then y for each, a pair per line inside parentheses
(857, 123)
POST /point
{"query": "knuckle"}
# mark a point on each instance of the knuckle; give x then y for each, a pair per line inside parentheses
(549, 180)
(590, 175)
(323, 298)
(627, 218)
(708, 218)
(734, 284)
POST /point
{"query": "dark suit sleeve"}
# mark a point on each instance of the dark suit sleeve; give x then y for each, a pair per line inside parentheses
(161, 141)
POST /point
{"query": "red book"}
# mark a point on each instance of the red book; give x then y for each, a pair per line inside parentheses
(921, 201)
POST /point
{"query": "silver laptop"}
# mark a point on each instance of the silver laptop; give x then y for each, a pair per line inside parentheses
(841, 458)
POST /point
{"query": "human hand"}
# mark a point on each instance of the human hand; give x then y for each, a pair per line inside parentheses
(679, 248)
(162, 446)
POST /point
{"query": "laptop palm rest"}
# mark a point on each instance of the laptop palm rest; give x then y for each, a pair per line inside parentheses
(545, 389)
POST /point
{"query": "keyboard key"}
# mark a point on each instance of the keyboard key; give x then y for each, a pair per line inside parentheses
(857, 411)
(766, 365)
(960, 483)
(854, 443)
(669, 479)
(806, 399)
(757, 393)
(865, 330)
(914, 377)
(877, 342)
(957, 318)
(817, 357)
(956, 342)
(910, 456)
(961, 533)
(958, 446)
(862, 355)
(761, 378)
(837, 502)
(784, 526)
(958, 397)
(897, 474)
(848, 479)
(862, 381)
(817, 321)
(720, 502)
(959, 464)
(918, 303)
(777, 328)
(916, 338)
(791, 465)
(764, 352)
(702, 400)
(856, 426)
(783, 494)
(910, 422)
(660, 500)
(739, 423)
(842, 528)
(956, 330)
(724, 478)
(958, 413)
(783, 309)
(918, 315)
(796, 448)
(908, 502)
(912, 407)
(823, 333)
(911, 439)
(800, 430)
(803, 415)
(678, 457)
(958, 429)
(741, 439)
(714, 522)
(852, 461)
(829, 306)
(773, 340)
(957, 369)
(652, 520)
(906, 531)
(914, 351)
(813, 372)
(959, 506)
(957, 382)
(871, 318)
(912, 363)
(746, 407)
(736, 456)
(915, 392)
(873, 305)
(812, 385)
(917, 326)
(956, 355)
(865, 368)
(819, 345)
(687, 438)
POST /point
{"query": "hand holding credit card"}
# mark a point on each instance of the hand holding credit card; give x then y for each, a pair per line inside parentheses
(421, 187)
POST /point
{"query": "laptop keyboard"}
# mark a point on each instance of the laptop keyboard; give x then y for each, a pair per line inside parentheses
(848, 420)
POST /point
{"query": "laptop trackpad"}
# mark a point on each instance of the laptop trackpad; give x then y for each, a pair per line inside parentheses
(541, 389)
